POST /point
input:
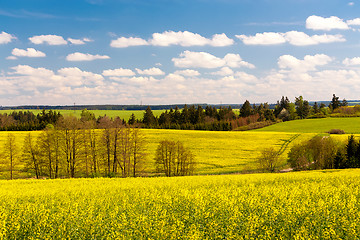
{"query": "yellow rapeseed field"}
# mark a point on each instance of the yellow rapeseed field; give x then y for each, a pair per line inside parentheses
(215, 152)
(304, 205)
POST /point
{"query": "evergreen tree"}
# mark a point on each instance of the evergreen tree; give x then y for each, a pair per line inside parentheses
(335, 103)
(149, 118)
(246, 109)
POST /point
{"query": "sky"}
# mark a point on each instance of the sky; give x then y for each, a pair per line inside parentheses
(177, 51)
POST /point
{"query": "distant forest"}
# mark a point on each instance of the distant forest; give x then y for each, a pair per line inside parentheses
(195, 117)
(142, 107)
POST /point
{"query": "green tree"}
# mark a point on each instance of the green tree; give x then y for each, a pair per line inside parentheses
(269, 159)
(246, 109)
(149, 118)
(335, 103)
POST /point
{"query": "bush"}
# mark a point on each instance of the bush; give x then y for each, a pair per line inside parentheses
(336, 131)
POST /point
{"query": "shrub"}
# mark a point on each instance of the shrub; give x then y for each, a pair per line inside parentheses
(336, 131)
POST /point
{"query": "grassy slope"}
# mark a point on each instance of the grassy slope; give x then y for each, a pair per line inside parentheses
(349, 125)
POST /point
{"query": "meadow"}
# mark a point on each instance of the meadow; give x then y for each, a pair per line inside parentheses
(350, 125)
(301, 205)
(123, 114)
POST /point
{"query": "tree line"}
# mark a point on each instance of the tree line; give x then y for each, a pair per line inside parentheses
(194, 117)
(87, 148)
(324, 152)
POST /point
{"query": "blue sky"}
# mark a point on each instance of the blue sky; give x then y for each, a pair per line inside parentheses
(177, 51)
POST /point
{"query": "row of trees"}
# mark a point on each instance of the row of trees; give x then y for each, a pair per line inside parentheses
(73, 148)
(27, 121)
(84, 148)
(325, 153)
(210, 118)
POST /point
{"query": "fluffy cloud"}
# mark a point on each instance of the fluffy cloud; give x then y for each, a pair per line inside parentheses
(266, 38)
(355, 22)
(225, 71)
(85, 57)
(293, 37)
(6, 38)
(190, 59)
(351, 61)
(48, 39)
(308, 64)
(187, 39)
(29, 52)
(79, 41)
(151, 71)
(119, 72)
(168, 38)
(124, 42)
(187, 73)
(31, 78)
(320, 23)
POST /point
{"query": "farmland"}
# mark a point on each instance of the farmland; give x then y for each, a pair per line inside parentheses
(215, 152)
(318, 204)
(123, 114)
(226, 152)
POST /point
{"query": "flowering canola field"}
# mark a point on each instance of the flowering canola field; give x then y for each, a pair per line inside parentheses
(303, 205)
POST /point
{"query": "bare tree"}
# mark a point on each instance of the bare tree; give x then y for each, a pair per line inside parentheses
(11, 152)
(31, 156)
(138, 150)
(173, 159)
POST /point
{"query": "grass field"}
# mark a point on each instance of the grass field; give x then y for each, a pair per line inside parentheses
(321, 125)
(123, 114)
(302, 205)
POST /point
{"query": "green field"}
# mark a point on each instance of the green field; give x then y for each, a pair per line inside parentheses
(302, 205)
(321, 125)
(123, 114)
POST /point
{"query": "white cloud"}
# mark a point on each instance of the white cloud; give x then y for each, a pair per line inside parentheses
(6, 38)
(351, 3)
(77, 56)
(29, 52)
(221, 40)
(308, 64)
(76, 77)
(187, 39)
(119, 72)
(11, 58)
(235, 61)
(48, 39)
(187, 73)
(79, 41)
(320, 23)
(266, 38)
(355, 22)
(190, 59)
(124, 42)
(225, 71)
(168, 38)
(151, 71)
(293, 37)
(351, 61)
